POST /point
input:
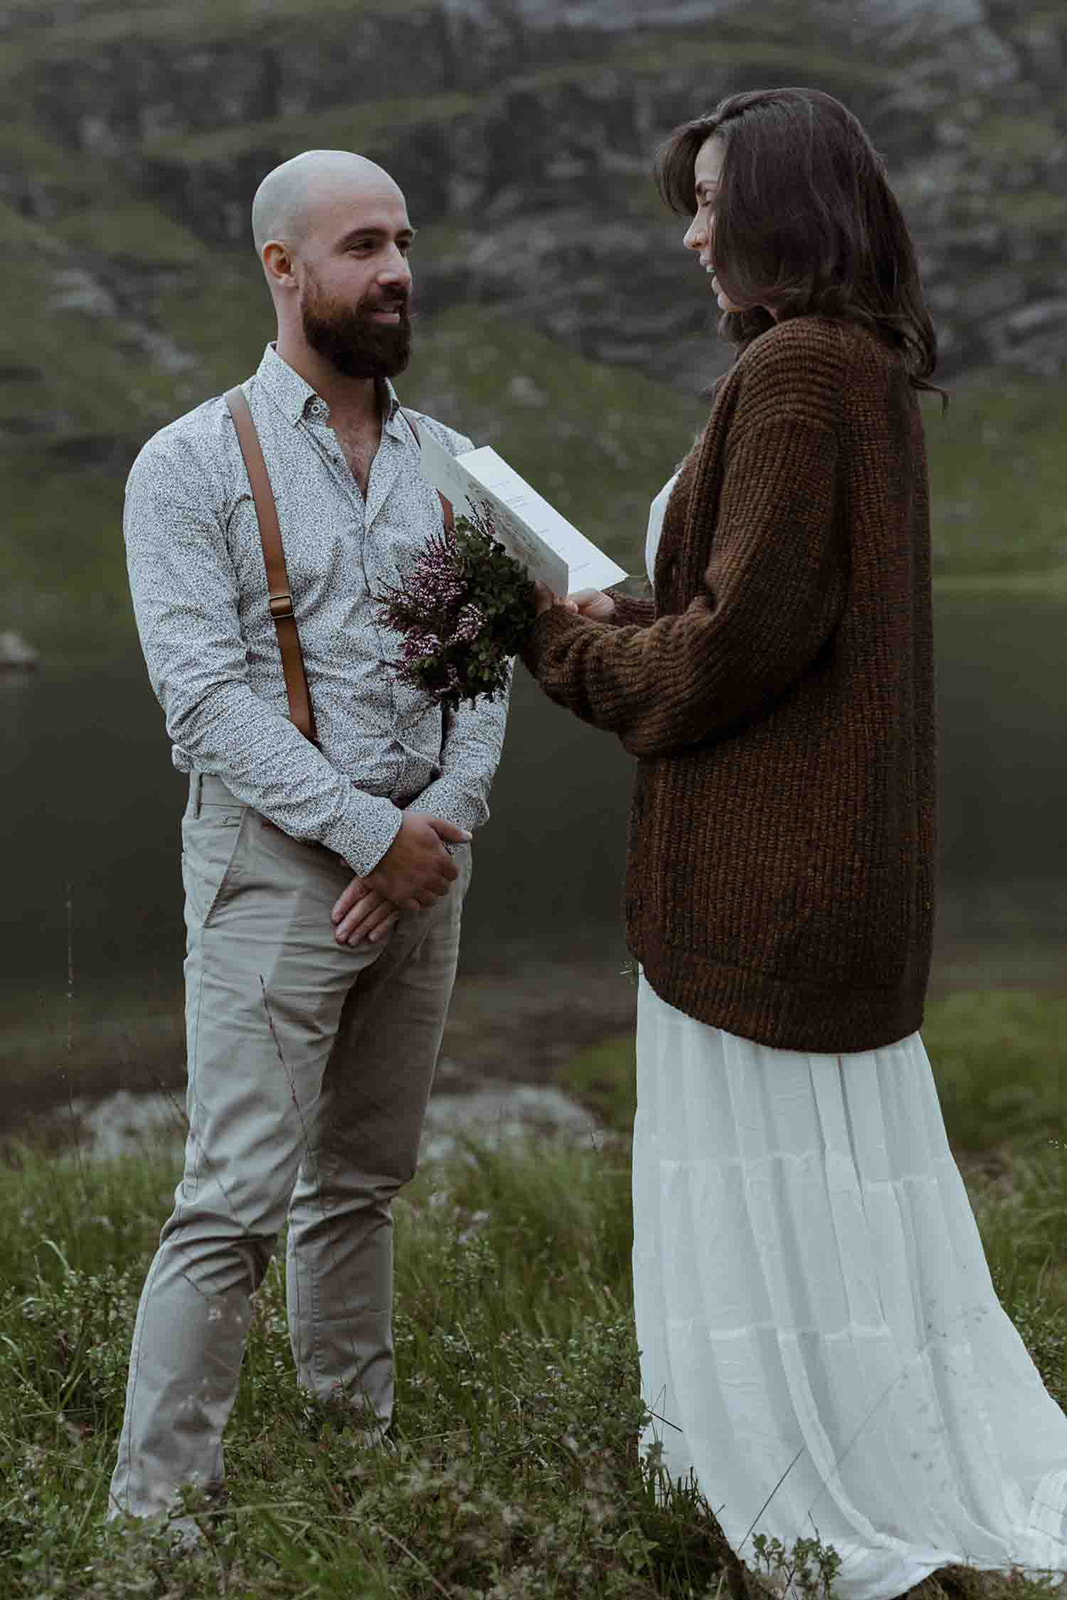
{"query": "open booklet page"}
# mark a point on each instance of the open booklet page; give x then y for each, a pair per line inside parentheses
(531, 530)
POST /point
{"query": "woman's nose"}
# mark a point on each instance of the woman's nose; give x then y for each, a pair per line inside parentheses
(696, 235)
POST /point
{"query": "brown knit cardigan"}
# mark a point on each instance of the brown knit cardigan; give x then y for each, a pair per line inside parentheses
(778, 693)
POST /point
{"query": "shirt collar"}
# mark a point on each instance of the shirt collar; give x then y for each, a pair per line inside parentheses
(295, 397)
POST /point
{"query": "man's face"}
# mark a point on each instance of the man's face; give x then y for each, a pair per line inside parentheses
(355, 291)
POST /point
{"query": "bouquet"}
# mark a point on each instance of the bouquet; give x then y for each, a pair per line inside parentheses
(463, 613)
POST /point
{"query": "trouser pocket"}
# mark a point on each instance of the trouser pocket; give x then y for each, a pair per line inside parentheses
(210, 844)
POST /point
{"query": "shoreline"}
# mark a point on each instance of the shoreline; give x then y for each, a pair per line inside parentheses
(515, 1030)
(520, 1026)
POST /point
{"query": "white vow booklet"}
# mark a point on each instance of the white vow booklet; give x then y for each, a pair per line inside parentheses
(551, 550)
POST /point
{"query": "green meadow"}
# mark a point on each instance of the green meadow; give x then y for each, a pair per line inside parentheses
(514, 1472)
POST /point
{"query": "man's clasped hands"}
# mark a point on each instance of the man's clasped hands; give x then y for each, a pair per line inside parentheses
(417, 868)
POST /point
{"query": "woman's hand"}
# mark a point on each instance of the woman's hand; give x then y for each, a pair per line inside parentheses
(544, 599)
(592, 603)
(589, 603)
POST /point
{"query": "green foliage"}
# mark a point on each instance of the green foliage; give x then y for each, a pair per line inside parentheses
(809, 1568)
(462, 614)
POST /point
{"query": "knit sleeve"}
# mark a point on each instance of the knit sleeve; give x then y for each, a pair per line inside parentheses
(771, 594)
(632, 610)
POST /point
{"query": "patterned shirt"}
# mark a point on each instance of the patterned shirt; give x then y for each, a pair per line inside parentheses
(200, 599)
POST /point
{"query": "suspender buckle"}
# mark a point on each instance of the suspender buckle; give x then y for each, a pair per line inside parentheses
(281, 606)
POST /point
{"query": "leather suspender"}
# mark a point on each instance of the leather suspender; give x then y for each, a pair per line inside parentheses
(281, 599)
(301, 713)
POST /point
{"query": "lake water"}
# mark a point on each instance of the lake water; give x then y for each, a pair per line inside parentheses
(92, 807)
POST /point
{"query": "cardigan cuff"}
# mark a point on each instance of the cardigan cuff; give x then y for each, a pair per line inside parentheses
(632, 611)
(551, 626)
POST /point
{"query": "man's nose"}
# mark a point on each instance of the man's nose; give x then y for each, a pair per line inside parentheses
(395, 269)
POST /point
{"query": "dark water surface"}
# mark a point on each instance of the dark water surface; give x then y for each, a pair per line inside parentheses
(92, 805)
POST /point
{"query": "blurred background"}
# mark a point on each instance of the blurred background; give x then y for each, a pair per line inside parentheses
(559, 321)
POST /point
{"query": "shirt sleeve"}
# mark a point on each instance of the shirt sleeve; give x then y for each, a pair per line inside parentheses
(771, 594)
(470, 754)
(473, 735)
(185, 599)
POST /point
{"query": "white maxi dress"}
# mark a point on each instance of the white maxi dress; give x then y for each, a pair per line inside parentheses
(821, 1344)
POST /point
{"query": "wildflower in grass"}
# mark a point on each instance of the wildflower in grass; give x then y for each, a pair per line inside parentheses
(462, 613)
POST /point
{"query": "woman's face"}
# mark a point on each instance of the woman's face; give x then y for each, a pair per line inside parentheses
(701, 231)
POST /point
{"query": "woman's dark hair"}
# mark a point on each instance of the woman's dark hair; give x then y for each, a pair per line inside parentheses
(805, 220)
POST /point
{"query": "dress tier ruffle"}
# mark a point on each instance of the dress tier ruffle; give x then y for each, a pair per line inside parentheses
(821, 1343)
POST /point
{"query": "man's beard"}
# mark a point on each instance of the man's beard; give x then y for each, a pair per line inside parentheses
(349, 338)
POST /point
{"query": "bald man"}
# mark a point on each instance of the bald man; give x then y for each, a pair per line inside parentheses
(323, 883)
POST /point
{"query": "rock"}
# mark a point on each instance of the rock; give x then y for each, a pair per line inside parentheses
(523, 391)
(496, 1113)
(15, 654)
(501, 1113)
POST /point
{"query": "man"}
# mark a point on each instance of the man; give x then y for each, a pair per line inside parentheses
(323, 885)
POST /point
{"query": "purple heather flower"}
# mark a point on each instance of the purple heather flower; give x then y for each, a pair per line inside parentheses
(468, 625)
(416, 646)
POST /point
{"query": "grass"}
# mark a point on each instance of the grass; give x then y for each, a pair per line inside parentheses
(516, 1475)
(514, 1342)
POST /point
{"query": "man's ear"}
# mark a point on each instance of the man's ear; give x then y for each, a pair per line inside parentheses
(278, 264)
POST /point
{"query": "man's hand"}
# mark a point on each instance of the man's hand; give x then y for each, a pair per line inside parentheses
(416, 869)
(594, 604)
(361, 913)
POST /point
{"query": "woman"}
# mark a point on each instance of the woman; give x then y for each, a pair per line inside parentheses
(820, 1341)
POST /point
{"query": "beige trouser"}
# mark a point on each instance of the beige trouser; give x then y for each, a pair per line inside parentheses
(310, 1067)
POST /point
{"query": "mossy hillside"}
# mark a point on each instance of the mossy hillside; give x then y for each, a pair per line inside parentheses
(108, 176)
(101, 26)
(374, 126)
(598, 441)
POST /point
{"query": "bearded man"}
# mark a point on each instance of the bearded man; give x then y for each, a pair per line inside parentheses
(323, 882)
